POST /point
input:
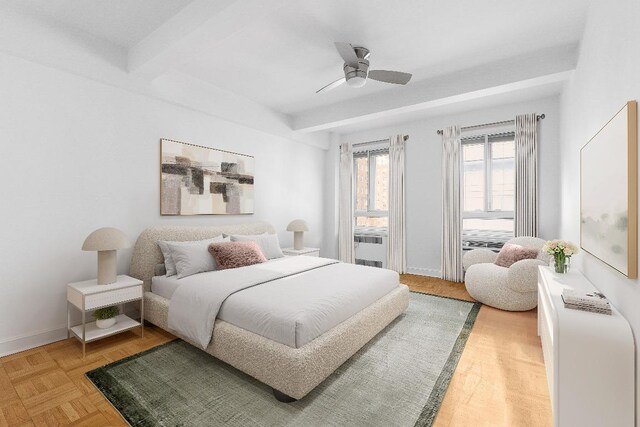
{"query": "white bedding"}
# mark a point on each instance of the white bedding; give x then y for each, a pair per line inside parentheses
(291, 310)
(166, 286)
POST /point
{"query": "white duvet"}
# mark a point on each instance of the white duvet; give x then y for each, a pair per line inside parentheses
(291, 300)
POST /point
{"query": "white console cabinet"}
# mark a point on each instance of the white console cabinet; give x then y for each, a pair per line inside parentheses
(589, 357)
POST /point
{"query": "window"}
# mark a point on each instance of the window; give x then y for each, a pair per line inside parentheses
(488, 189)
(371, 176)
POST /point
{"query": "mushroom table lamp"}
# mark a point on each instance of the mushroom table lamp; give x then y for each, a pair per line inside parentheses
(298, 227)
(106, 241)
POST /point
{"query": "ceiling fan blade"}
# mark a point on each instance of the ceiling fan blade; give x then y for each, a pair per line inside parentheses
(395, 77)
(332, 85)
(347, 53)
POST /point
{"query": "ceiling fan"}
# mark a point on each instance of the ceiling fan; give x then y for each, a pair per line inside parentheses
(356, 69)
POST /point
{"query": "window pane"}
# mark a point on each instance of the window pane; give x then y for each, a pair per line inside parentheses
(502, 176)
(497, 224)
(474, 177)
(361, 170)
(363, 221)
(381, 174)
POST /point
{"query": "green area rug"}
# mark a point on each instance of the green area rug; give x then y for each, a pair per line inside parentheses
(398, 379)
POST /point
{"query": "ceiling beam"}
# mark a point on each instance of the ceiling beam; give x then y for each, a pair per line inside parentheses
(202, 96)
(57, 47)
(195, 29)
(524, 85)
(507, 76)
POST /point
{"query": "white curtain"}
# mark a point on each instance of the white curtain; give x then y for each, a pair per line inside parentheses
(396, 252)
(345, 205)
(526, 142)
(451, 257)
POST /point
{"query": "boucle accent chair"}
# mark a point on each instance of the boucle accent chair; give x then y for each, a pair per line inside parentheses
(514, 288)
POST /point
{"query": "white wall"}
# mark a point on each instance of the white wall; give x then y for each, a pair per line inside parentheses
(423, 168)
(607, 76)
(78, 155)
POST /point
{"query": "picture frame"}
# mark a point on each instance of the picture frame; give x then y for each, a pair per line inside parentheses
(199, 180)
(609, 192)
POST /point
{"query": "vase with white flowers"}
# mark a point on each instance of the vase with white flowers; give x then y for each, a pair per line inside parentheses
(561, 250)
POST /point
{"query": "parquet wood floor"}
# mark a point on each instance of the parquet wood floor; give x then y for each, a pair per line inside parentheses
(500, 379)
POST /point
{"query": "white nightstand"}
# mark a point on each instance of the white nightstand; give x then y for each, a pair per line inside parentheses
(88, 296)
(303, 251)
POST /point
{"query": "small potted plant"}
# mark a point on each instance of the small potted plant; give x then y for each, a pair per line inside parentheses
(561, 251)
(106, 316)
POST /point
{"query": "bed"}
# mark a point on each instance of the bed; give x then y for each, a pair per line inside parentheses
(290, 332)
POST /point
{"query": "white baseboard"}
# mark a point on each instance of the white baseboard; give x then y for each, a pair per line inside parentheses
(431, 272)
(36, 339)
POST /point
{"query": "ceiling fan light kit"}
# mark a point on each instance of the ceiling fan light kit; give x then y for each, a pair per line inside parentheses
(356, 69)
(356, 77)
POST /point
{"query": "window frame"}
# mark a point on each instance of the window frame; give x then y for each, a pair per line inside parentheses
(488, 212)
(371, 175)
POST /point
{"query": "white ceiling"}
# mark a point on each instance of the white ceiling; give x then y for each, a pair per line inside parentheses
(277, 53)
(284, 58)
(123, 22)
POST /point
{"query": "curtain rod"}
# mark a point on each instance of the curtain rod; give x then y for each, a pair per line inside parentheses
(490, 135)
(406, 137)
(504, 122)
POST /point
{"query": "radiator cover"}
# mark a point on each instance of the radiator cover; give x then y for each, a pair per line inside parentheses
(370, 249)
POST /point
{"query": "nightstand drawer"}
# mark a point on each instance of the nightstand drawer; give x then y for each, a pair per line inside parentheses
(112, 297)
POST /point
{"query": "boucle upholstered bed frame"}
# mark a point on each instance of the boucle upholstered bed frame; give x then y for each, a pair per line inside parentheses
(291, 372)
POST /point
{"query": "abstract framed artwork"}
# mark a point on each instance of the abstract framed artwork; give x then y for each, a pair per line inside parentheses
(609, 193)
(196, 180)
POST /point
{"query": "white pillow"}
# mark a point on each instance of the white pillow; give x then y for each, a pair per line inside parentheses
(169, 265)
(192, 257)
(268, 243)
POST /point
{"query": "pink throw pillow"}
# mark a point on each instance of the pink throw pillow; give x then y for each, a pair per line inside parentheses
(510, 254)
(236, 254)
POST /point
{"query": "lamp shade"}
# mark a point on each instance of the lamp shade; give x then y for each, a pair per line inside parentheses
(298, 225)
(106, 239)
